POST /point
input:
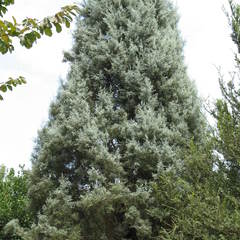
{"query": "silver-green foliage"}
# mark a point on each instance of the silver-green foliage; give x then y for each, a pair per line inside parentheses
(124, 116)
(55, 222)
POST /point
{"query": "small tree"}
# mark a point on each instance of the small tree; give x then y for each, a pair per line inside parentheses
(227, 114)
(13, 200)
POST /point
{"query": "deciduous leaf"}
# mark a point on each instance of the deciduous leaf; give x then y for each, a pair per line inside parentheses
(48, 31)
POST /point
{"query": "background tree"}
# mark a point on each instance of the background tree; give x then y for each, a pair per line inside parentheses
(203, 200)
(13, 200)
(28, 32)
(123, 118)
(195, 203)
(227, 113)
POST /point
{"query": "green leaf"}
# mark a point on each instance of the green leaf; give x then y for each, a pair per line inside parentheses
(67, 23)
(9, 87)
(14, 20)
(37, 35)
(48, 31)
(58, 27)
(22, 79)
(3, 88)
(3, 47)
(30, 37)
(27, 43)
(3, 25)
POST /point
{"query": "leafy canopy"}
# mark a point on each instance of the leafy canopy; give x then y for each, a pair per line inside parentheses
(13, 199)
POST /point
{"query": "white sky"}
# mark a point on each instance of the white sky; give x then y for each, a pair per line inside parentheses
(204, 28)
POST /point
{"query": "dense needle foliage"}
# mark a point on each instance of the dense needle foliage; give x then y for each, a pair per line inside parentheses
(124, 117)
(126, 153)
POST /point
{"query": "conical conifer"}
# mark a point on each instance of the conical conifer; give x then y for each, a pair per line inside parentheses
(125, 114)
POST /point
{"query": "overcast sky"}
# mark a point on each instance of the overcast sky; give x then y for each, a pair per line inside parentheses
(204, 28)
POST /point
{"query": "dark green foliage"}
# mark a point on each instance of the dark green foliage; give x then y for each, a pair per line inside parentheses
(227, 115)
(234, 21)
(227, 143)
(13, 200)
(194, 203)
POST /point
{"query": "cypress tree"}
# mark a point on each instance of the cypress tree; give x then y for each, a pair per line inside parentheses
(124, 116)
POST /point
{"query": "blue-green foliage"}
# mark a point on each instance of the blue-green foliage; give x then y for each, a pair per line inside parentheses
(118, 130)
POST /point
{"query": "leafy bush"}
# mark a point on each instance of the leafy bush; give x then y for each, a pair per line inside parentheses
(13, 199)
